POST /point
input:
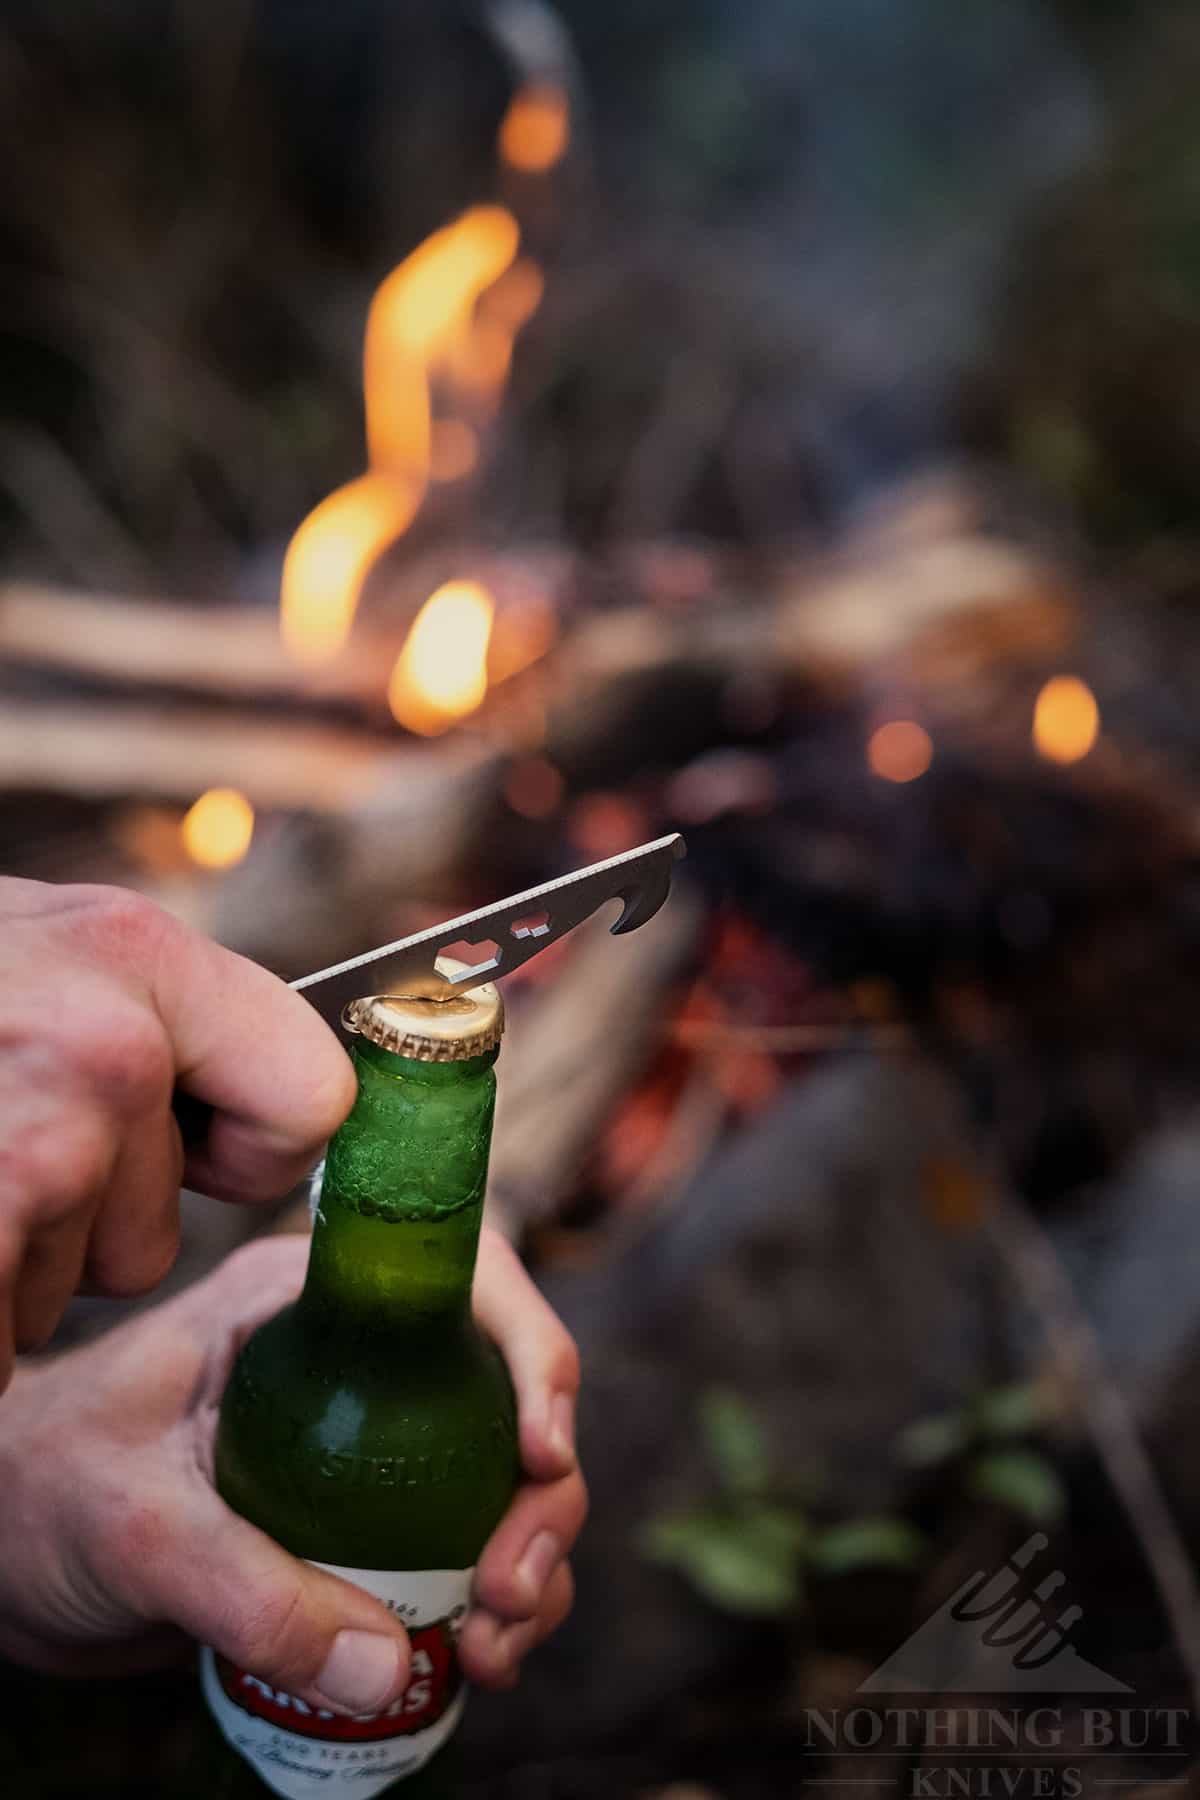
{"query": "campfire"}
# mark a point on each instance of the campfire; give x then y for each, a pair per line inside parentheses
(432, 716)
(438, 500)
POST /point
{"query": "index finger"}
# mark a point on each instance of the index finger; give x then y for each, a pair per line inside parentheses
(250, 1047)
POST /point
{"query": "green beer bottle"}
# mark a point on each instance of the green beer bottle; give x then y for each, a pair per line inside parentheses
(370, 1427)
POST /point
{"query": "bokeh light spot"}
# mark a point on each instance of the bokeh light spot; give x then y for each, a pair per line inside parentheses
(901, 750)
(1066, 720)
(217, 830)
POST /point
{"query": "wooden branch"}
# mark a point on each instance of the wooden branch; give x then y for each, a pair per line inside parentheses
(230, 650)
(174, 753)
(941, 600)
(237, 651)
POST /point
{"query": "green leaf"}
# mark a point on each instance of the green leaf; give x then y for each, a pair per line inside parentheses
(735, 1441)
(1021, 1480)
(866, 1543)
(1011, 1411)
(741, 1562)
(927, 1442)
(783, 1525)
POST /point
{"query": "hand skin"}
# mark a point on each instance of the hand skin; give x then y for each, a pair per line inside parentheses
(106, 1005)
(115, 1539)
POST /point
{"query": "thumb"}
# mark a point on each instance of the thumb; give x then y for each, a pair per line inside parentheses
(303, 1630)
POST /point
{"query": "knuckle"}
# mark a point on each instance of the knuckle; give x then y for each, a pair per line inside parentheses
(497, 1589)
(52, 1166)
(135, 1267)
(127, 1056)
(575, 1503)
(123, 925)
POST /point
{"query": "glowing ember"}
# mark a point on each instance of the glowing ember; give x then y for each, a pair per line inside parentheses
(441, 673)
(328, 559)
(453, 450)
(901, 750)
(536, 129)
(218, 828)
(1066, 720)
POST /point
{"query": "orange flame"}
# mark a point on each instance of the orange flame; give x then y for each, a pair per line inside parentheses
(421, 325)
(418, 315)
(536, 129)
(217, 830)
(441, 673)
(1066, 720)
(328, 559)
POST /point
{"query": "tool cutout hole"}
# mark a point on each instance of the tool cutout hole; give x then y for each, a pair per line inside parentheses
(482, 956)
(531, 925)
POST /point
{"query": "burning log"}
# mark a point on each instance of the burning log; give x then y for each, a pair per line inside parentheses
(238, 652)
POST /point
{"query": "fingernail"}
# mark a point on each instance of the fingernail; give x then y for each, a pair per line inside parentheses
(361, 1672)
(539, 1563)
(562, 1427)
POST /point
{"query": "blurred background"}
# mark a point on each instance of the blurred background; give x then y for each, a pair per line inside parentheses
(445, 444)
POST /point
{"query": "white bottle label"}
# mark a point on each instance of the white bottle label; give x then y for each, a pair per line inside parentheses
(299, 1751)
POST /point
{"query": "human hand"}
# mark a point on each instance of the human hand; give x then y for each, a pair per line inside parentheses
(106, 1004)
(115, 1539)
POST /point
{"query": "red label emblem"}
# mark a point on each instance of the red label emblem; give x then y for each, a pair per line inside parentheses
(432, 1685)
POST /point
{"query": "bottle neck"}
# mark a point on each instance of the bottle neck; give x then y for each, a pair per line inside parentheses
(397, 1224)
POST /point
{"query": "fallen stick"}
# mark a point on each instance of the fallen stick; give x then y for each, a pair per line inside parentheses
(957, 602)
(231, 650)
(174, 753)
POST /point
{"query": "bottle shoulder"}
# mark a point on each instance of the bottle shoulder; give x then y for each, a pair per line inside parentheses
(347, 1449)
(301, 1357)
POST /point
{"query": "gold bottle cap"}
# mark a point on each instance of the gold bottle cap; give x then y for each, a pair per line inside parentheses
(429, 1028)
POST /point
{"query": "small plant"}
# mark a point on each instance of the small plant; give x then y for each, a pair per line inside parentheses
(987, 1436)
(749, 1550)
